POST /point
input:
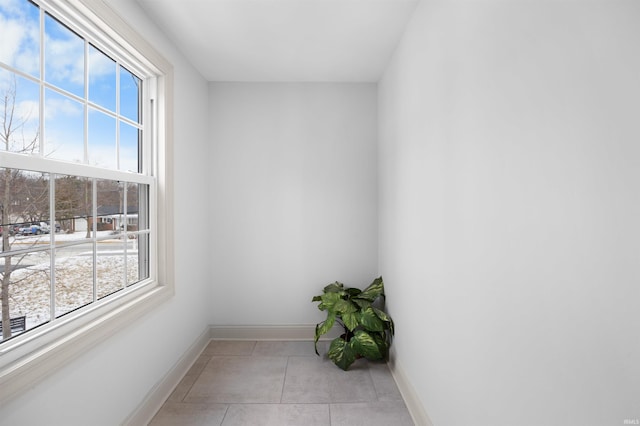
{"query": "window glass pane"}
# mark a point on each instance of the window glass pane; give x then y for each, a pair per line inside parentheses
(130, 95)
(63, 57)
(102, 139)
(102, 79)
(24, 275)
(27, 278)
(74, 277)
(74, 208)
(24, 209)
(20, 45)
(137, 199)
(110, 225)
(110, 202)
(64, 127)
(130, 139)
(10, 218)
(110, 266)
(138, 243)
(19, 122)
(138, 259)
(33, 197)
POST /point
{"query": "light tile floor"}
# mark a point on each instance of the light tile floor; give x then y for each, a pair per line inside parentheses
(251, 383)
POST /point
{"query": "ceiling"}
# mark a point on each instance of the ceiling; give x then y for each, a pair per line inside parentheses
(284, 40)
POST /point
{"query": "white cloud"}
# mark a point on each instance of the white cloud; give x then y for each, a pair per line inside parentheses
(12, 35)
(100, 65)
(27, 110)
(59, 107)
(63, 131)
(13, 7)
(64, 59)
(102, 155)
(19, 45)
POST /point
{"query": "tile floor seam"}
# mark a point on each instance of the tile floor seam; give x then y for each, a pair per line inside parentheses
(373, 383)
(225, 414)
(194, 382)
(284, 379)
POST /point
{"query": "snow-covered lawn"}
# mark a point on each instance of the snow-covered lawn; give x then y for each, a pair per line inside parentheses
(30, 291)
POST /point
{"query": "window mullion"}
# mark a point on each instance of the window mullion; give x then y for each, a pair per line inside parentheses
(94, 240)
(41, 145)
(85, 103)
(118, 67)
(125, 234)
(52, 243)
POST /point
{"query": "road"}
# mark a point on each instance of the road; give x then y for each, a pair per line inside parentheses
(108, 247)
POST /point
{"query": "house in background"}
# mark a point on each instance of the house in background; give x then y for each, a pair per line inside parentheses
(113, 218)
(482, 156)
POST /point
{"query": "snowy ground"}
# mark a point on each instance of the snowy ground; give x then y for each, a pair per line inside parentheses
(30, 292)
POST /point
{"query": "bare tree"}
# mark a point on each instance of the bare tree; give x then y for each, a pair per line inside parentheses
(11, 139)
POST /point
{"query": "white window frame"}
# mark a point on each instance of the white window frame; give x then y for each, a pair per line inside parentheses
(28, 358)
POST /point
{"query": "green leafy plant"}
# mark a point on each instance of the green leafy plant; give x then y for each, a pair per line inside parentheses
(367, 327)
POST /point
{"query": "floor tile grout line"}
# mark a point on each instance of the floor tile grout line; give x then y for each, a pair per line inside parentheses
(373, 383)
(226, 411)
(197, 377)
(284, 379)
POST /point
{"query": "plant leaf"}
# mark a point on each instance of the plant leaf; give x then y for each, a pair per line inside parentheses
(383, 343)
(375, 289)
(326, 325)
(386, 318)
(316, 298)
(352, 291)
(350, 320)
(381, 314)
(370, 320)
(344, 307)
(315, 340)
(341, 353)
(328, 301)
(335, 287)
(365, 345)
(361, 302)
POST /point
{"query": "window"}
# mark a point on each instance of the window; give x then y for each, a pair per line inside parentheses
(83, 180)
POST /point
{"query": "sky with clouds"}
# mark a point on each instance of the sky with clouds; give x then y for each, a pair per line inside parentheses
(62, 125)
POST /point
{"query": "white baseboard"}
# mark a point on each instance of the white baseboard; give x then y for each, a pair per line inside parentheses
(269, 332)
(411, 400)
(161, 391)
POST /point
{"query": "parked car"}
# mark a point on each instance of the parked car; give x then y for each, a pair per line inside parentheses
(11, 231)
(46, 228)
(32, 229)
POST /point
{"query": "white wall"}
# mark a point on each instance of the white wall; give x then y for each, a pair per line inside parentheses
(292, 181)
(509, 210)
(105, 385)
